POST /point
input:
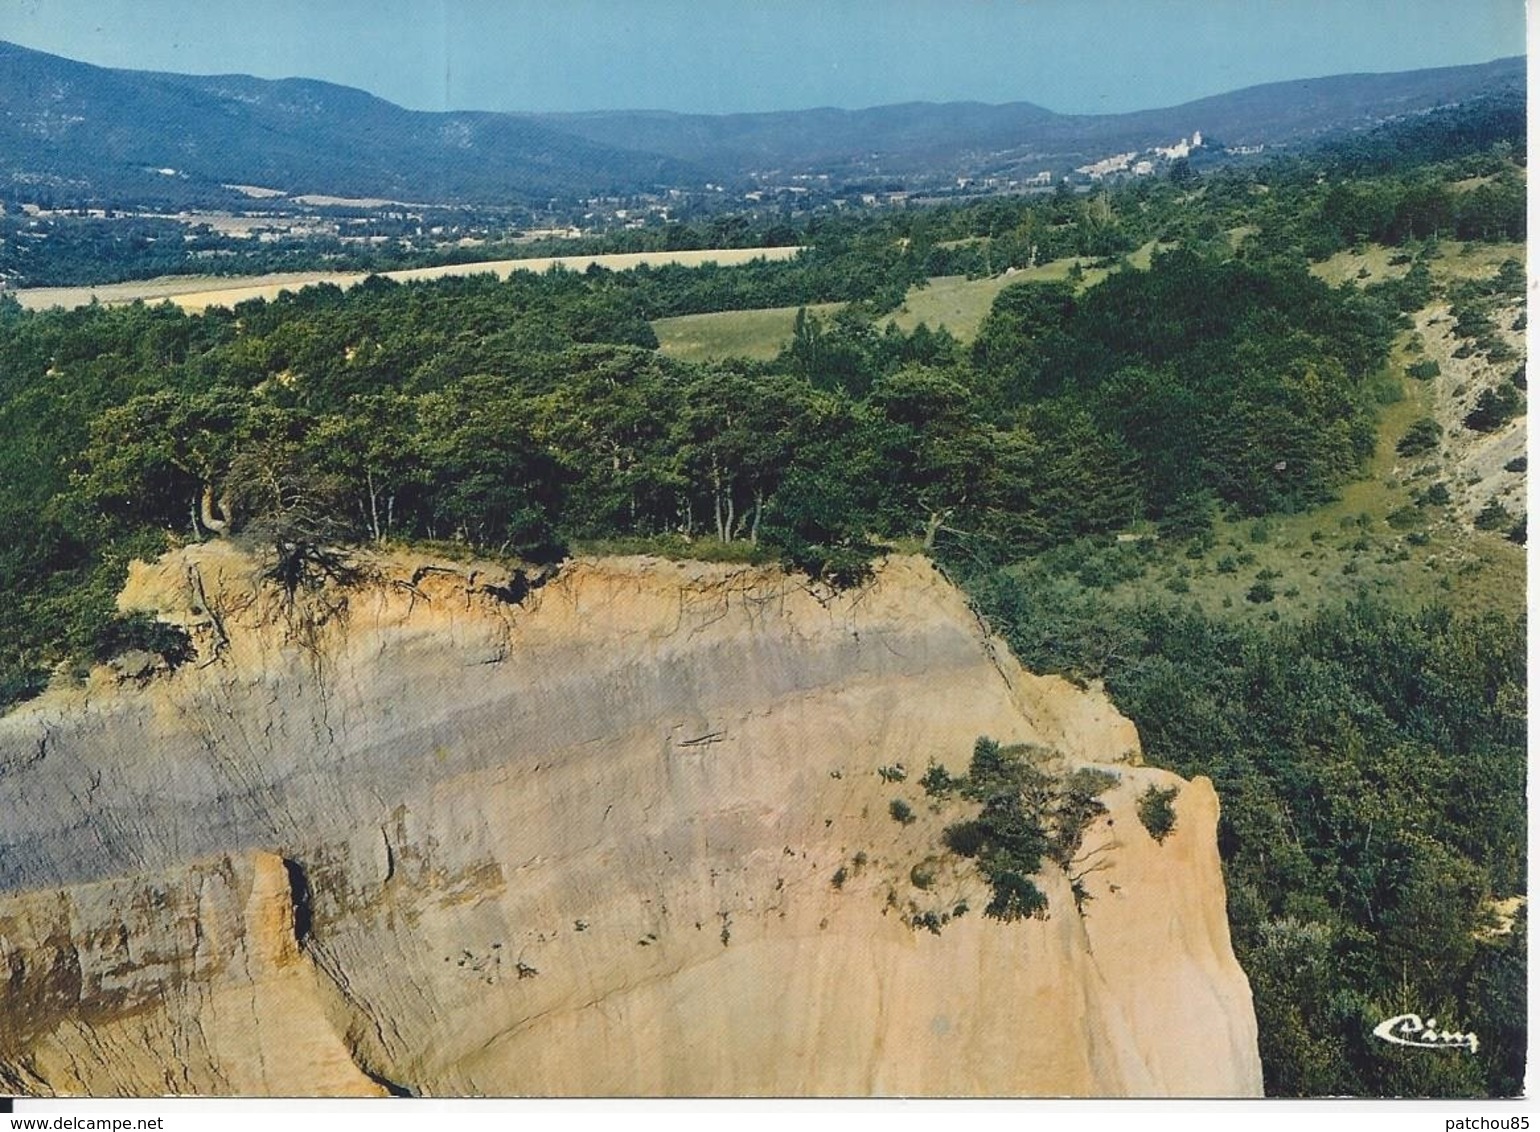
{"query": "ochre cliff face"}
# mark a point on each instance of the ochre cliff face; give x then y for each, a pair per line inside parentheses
(188, 982)
(438, 834)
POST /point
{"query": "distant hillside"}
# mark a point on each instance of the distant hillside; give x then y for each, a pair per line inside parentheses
(86, 130)
(973, 138)
(76, 133)
(911, 135)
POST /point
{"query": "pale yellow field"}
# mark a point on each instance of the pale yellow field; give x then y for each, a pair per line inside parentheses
(198, 292)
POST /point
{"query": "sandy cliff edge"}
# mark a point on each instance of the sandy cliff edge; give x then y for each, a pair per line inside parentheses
(581, 838)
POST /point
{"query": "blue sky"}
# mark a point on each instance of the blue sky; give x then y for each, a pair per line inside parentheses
(1074, 56)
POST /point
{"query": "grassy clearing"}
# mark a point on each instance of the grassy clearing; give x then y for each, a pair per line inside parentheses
(1368, 264)
(1376, 535)
(1470, 183)
(1456, 261)
(1453, 261)
(756, 334)
(960, 304)
(1140, 257)
(1285, 569)
(953, 301)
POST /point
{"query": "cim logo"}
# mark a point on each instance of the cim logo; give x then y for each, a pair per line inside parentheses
(1413, 1030)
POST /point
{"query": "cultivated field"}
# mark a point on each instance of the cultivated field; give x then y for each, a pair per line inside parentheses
(196, 293)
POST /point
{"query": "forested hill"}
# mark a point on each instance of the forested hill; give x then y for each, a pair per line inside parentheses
(82, 133)
(136, 136)
(976, 139)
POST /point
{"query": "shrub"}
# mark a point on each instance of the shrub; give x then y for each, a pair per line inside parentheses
(1517, 464)
(142, 632)
(930, 921)
(19, 683)
(992, 769)
(1190, 516)
(1495, 348)
(1422, 436)
(936, 782)
(901, 811)
(1261, 591)
(1493, 516)
(965, 838)
(1156, 813)
(1423, 370)
(1015, 898)
(923, 875)
(1509, 279)
(1471, 320)
(1076, 808)
(1494, 408)
(1008, 838)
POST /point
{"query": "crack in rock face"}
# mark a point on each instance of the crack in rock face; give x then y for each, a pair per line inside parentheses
(628, 829)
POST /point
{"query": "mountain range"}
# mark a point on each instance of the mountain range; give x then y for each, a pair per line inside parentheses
(76, 133)
(976, 138)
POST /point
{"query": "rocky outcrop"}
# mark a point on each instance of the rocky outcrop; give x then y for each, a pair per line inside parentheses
(455, 832)
(1477, 467)
(192, 981)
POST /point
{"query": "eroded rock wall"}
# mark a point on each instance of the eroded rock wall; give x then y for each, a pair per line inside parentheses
(621, 833)
(192, 981)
